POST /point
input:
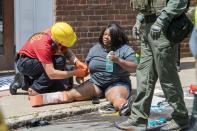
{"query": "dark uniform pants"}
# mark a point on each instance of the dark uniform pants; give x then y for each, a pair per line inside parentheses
(158, 61)
(36, 77)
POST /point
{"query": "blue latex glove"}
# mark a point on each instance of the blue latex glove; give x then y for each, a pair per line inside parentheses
(155, 30)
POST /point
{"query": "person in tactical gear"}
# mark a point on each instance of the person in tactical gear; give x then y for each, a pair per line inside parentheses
(157, 62)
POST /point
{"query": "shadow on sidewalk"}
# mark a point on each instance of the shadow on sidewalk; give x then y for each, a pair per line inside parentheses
(22, 93)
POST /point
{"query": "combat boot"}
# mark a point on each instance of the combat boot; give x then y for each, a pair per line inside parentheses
(16, 84)
(172, 125)
(130, 125)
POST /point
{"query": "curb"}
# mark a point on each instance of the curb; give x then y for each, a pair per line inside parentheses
(25, 121)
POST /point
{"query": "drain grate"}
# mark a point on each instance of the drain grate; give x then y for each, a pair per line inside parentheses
(5, 82)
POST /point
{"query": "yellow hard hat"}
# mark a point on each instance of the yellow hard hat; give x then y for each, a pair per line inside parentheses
(63, 33)
(195, 16)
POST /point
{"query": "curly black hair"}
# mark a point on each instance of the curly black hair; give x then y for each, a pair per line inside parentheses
(118, 36)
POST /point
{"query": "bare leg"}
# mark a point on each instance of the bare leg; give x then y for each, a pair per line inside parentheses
(117, 96)
(85, 91)
(32, 92)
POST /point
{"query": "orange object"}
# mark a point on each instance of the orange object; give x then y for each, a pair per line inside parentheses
(48, 98)
(80, 72)
(36, 100)
(192, 89)
(81, 65)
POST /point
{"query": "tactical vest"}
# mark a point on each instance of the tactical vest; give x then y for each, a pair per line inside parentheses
(148, 6)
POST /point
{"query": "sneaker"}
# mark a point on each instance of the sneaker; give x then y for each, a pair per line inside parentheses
(173, 126)
(125, 110)
(129, 125)
(16, 84)
(108, 109)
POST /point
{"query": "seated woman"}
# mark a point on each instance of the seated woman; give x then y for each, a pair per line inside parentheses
(114, 84)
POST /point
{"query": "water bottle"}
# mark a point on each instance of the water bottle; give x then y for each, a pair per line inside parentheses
(109, 63)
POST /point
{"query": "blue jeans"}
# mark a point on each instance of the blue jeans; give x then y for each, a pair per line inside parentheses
(36, 77)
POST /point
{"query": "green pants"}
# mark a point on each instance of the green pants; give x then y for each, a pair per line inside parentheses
(157, 61)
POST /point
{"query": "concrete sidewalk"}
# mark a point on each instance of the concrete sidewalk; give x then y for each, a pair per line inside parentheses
(18, 111)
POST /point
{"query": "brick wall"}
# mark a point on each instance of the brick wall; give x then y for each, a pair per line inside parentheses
(89, 17)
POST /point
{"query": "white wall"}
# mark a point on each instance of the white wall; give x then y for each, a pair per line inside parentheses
(31, 16)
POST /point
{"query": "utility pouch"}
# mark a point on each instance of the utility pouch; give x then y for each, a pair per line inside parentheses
(179, 28)
(148, 6)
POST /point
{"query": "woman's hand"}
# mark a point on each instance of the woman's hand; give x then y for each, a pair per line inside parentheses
(111, 56)
(114, 58)
(127, 65)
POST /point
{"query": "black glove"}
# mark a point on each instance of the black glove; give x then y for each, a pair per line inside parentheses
(160, 24)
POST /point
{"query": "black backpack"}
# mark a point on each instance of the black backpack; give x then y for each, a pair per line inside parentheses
(179, 28)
